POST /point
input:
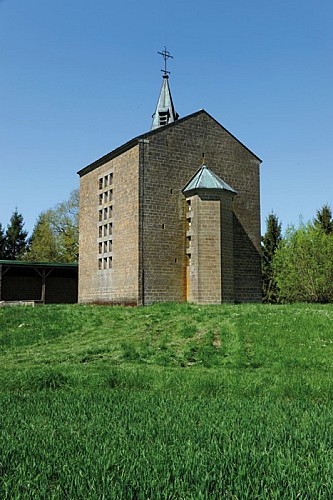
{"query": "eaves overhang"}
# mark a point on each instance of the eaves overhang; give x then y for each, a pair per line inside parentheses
(24, 263)
(211, 193)
(109, 156)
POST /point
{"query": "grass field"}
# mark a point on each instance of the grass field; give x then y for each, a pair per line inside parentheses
(166, 401)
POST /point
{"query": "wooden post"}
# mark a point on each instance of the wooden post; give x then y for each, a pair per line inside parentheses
(43, 286)
(0, 280)
(44, 275)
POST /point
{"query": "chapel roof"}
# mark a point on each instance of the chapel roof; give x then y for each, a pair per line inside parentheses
(206, 179)
(136, 140)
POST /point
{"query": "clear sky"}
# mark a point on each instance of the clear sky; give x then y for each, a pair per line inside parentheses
(79, 78)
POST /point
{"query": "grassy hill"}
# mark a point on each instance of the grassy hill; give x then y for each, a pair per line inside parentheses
(166, 401)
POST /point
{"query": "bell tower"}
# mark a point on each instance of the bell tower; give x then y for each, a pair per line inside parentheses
(165, 112)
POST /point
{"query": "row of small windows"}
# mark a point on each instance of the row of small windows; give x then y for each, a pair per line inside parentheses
(105, 213)
(106, 197)
(188, 237)
(105, 226)
(105, 246)
(104, 263)
(105, 230)
(104, 182)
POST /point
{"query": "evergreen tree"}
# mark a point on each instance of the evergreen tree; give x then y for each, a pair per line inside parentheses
(15, 238)
(270, 243)
(2, 242)
(324, 219)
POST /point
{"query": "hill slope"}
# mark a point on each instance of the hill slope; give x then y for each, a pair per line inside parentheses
(256, 347)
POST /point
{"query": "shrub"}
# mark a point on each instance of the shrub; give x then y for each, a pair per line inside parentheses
(303, 265)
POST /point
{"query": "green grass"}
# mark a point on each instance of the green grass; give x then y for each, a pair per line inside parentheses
(166, 401)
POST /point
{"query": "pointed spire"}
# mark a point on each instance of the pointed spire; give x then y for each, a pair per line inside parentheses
(165, 111)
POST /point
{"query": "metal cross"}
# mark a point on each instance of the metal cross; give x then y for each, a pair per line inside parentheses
(166, 56)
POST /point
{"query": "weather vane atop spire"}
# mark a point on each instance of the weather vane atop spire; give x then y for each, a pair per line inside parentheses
(166, 55)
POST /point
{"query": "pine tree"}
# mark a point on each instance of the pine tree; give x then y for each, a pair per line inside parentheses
(324, 219)
(270, 243)
(2, 242)
(15, 238)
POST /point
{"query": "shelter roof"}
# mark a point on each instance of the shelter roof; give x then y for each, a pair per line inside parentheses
(24, 263)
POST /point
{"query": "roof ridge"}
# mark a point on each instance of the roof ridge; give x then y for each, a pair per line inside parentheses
(133, 142)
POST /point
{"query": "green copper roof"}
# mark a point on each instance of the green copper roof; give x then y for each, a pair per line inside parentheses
(165, 112)
(206, 179)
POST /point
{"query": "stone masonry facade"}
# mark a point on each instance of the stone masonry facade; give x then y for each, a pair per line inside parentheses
(147, 259)
(109, 222)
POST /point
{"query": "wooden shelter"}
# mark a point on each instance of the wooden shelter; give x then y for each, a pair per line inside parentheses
(41, 282)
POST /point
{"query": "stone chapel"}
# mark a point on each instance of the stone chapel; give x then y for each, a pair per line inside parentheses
(160, 222)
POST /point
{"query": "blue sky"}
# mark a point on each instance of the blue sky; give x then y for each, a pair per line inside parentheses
(80, 78)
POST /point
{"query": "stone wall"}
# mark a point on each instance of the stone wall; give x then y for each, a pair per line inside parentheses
(204, 251)
(146, 262)
(109, 231)
(171, 158)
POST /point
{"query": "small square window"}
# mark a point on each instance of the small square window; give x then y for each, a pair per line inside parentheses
(188, 242)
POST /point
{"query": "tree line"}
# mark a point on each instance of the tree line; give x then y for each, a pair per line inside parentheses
(298, 267)
(55, 236)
